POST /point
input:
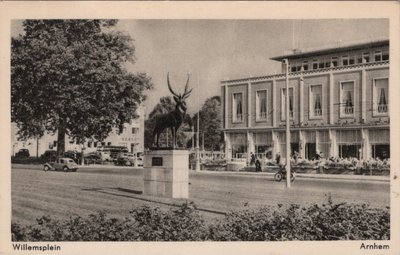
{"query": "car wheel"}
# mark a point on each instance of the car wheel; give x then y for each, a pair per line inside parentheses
(292, 177)
(278, 177)
(65, 168)
(46, 168)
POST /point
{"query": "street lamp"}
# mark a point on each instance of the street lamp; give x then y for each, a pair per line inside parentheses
(287, 125)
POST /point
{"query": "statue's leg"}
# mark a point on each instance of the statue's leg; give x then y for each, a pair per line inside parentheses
(157, 136)
(173, 137)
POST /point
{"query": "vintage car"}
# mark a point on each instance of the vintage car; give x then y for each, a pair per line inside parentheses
(63, 164)
(22, 153)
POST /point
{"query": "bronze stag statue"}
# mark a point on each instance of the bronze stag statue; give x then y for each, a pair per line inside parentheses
(174, 119)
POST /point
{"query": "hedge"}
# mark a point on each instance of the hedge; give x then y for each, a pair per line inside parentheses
(331, 221)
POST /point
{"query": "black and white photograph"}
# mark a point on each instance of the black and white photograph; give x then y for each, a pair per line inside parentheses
(140, 131)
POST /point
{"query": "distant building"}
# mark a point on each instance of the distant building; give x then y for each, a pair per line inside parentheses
(339, 105)
(131, 137)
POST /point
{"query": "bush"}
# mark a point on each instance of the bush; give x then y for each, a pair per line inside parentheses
(326, 222)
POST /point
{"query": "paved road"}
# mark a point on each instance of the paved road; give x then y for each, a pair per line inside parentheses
(116, 189)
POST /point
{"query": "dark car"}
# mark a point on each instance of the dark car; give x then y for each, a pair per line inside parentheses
(76, 156)
(125, 159)
(92, 159)
(22, 153)
(49, 156)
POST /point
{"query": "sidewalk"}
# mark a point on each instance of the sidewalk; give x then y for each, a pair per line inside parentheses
(301, 175)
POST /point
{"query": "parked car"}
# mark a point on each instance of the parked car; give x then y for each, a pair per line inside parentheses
(49, 156)
(125, 159)
(139, 161)
(76, 156)
(104, 155)
(61, 164)
(92, 159)
(22, 153)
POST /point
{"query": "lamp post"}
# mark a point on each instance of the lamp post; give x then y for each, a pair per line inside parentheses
(287, 98)
(198, 133)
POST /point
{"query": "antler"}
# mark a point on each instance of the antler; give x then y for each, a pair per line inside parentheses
(187, 93)
(169, 86)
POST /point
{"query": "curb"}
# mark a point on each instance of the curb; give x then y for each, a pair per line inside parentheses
(300, 175)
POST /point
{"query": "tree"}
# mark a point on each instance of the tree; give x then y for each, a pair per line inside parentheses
(165, 105)
(69, 77)
(210, 124)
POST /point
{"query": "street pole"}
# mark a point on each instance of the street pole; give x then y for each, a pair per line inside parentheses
(198, 132)
(287, 126)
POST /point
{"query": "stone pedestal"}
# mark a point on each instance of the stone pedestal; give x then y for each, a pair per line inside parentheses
(166, 173)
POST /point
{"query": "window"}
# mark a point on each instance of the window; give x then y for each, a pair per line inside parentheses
(334, 61)
(315, 102)
(134, 130)
(237, 110)
(352, 61)
(293, 69)
(365, 57)
(380, 96)
(305, 65)
(261, 105)
(347, 99)
(109, 143)
(283, 104)
(89, 144)
(103, 143)
(385, 55)
(315, 64)
(345, 60)
(321, 65)
(378, 56)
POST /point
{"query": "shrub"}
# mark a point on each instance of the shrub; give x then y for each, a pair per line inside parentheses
(329, 221)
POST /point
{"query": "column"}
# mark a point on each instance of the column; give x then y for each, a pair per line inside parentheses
(331, 96)
(249, 101)
(275, 144)
(317, 142)
(228, 146)
(227, 113)
(273, 98)
(334, 148)
(301, 101)
(363, 96)
(366, 147)
(302, 141)
(250, 145)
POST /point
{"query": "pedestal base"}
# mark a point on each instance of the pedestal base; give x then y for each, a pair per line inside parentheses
(166, 173)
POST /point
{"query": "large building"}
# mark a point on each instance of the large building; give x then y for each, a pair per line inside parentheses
(131, 137)
(339, 105)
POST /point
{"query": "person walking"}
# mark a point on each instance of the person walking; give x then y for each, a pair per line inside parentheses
(278, 158)
(258, 165)
(252, 159)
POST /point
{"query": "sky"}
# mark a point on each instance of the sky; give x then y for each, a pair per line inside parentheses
(215, 50)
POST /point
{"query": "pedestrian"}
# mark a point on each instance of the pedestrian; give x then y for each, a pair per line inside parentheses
(295, 156)
(252, 159)
(317, 156)
(258, 165)
(278, 158)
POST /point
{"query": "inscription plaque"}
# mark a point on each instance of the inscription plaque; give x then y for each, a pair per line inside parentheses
(156, 161)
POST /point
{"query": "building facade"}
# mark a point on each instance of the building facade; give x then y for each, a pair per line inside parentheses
(131, 137)
(338, 105)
